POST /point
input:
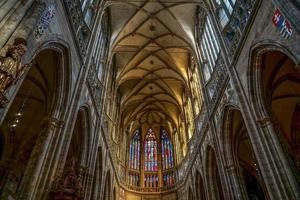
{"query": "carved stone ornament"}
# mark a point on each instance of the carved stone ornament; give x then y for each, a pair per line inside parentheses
(11, 68)
(265, 121)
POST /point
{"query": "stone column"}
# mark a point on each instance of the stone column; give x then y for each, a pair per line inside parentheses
(88, 192)
(97, 179)
(13, 21)
(236, 182)
(7, 7)
(272, 162)
(90, 171)
(82, 173)
(29, 23)
(276, 155)
(39, 156)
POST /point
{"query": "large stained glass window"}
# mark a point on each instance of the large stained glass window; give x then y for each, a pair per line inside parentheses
(134, 151)
(150, 149)
(166, 151)
(157, 155)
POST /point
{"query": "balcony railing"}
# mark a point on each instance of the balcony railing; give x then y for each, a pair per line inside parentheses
(194, 146)
(95, 86)
(152, 190)
(182, 170)
(215, 85)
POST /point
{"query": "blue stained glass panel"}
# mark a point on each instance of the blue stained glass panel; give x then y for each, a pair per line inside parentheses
(150, 152)
(167, 151)
(134, 151)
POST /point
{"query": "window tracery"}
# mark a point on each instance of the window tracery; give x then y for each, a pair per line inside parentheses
(135, 145)
(209, 48)
(150, 154)
(166, 151)
(224, 10)
(157, 154)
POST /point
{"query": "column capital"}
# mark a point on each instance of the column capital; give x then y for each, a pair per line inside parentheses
(265, 121)
(53, 122)
(231, 168)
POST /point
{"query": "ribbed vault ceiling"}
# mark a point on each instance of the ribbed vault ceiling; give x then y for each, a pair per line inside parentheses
(152, 43)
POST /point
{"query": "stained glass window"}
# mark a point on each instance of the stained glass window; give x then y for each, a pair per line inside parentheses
(166, 151)
(134, 151)
(150, 150)
(153, 150)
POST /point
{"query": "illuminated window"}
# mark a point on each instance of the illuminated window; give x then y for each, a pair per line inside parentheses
(150, 149)
(134, 152)
(166, 151)
(158, 156)
(209, 48)
(224, 10)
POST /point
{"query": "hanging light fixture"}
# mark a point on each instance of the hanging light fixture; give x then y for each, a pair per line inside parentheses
(18, 115)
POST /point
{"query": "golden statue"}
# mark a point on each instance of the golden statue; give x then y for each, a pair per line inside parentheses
(11, 68)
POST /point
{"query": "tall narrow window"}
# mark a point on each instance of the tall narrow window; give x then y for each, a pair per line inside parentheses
(209, 48)
(166, 151)
(134, 151)
(150, 149)
(224, 9)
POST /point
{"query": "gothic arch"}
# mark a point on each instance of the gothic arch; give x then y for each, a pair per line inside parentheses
(77, 158)
(63, 78)
(255, 72)
(81, 136)
(274, 85)
(38, 105)
(239, 156)
(213, 179)
(84, 111)
(225, 135)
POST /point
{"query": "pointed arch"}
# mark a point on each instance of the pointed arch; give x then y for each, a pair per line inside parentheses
(270, 66)
(215, 191)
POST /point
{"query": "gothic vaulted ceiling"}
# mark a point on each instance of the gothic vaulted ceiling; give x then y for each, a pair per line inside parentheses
(152, 44)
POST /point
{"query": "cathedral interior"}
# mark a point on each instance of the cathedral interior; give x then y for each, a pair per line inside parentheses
(149, 99)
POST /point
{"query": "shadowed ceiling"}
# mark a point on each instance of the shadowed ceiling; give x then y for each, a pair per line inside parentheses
(152, 42)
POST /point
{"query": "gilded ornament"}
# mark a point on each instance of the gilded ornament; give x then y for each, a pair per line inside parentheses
(11, 68)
